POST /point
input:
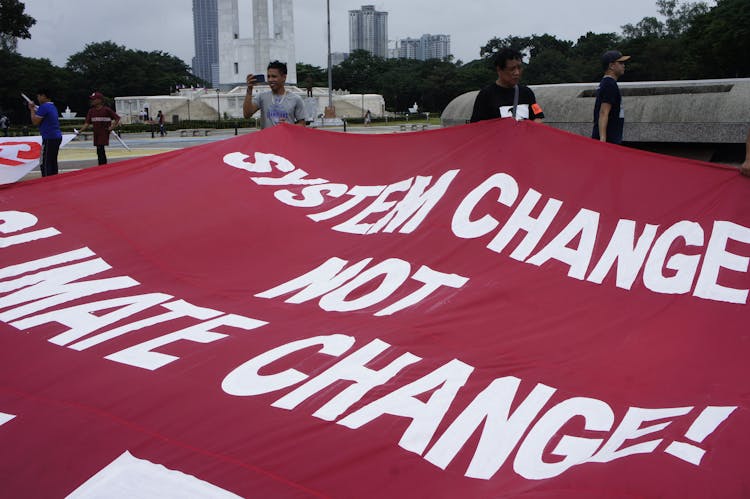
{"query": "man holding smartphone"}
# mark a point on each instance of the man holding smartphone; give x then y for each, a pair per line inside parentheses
(276, 106)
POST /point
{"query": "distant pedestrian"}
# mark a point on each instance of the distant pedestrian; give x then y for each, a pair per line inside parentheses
(4, 124)
(609, 114)
(309, 86)
(103, 120)
(506, 95)
(160, 120)
(46, 117)
(368, 118)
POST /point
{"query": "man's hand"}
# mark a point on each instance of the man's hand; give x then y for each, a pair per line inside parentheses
(248, 107)
(250, 81)
(745, 168)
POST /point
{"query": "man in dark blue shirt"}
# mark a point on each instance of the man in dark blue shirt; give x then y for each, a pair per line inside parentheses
(609, 115)
(45, 116)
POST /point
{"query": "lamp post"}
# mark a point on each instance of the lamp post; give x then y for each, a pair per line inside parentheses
(330, 73)
(218, 109)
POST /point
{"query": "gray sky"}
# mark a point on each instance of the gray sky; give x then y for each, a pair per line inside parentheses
(64, 28)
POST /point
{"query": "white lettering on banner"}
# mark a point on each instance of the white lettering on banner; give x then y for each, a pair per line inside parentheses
(16, 221)
(652, 252)
(142, 355)
(443, 384)
(32, 292)
(352, 368)
(630, 429)
(598, 416)
(717, 258)
(407, 213)
(621, 248)
(333, 284)
(530, 427)
(502, 429)
(531, 219)
(58, 280)
(48, 288)
(246, 380)
(179, 309)
(83, 319)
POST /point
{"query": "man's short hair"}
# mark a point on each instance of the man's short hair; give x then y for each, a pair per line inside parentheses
(506, 54)
(45, 92)
(281, 66)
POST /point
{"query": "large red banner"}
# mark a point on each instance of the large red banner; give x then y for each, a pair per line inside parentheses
(494, 310)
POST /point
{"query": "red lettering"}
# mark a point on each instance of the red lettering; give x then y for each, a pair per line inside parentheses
(32, 150)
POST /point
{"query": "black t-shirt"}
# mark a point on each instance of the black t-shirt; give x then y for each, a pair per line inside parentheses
(609, 92)
(494, 101)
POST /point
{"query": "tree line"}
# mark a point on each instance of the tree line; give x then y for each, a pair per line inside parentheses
(689, 41)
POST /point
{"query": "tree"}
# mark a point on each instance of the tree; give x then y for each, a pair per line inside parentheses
(14, 24)
(317, 75)
(587, 53)
(359, 72)
(514, 42)
(719, 41)
(27, 75)
(115, 70)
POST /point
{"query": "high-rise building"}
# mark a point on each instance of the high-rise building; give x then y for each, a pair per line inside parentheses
(206, 35)
(368, 30)
(338, 57)
(223, 59)
(409, 48)
(436, 46)
(425, 47)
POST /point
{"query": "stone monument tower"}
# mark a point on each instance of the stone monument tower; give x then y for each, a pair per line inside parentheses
(239, 57)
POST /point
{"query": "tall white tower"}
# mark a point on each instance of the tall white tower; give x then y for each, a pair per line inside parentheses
(239, 57)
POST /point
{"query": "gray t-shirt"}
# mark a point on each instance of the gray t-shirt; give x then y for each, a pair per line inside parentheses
(276, 108)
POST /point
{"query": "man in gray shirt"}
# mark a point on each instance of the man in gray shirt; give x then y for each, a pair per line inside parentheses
(276, 106)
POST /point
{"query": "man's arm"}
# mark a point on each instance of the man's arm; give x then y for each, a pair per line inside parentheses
(34, 118)
(604, 110)
(249, 107)
(745, 168)
(115, 121)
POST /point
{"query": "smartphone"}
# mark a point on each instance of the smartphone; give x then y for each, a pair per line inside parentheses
(259, 78)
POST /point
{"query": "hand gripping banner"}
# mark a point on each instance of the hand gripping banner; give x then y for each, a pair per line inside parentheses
(494, 310)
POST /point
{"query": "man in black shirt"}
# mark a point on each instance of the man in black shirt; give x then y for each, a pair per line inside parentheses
(497, 99)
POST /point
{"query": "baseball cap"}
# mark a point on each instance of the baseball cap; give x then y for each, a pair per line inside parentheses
(611, 56)
(96, 95)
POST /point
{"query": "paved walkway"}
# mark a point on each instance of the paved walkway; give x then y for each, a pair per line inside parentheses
(77, 155)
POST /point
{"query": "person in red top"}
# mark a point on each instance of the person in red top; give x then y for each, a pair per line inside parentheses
(103, 120)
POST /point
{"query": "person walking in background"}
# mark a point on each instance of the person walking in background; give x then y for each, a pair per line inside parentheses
(103, 120)
(160, 120)
(609, 115)
(46, 117)
(505, 96)
(276, 106)
(4, 124)
(368, 118)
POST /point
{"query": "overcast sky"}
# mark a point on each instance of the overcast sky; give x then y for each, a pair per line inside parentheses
(64, 28)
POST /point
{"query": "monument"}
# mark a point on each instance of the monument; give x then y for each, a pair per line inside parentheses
(239, 57)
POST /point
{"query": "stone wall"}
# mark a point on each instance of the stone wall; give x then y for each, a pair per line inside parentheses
(691, 111)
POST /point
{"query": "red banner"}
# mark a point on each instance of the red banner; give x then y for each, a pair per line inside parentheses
(20, 155)
(492, 310)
